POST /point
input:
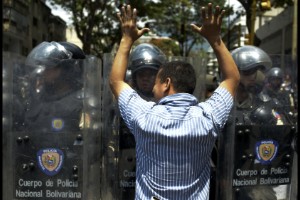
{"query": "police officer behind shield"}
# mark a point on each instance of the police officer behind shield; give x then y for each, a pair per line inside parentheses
(144, 62)
(274, 93)
(56, 78)
(251, 109)
(252, 63)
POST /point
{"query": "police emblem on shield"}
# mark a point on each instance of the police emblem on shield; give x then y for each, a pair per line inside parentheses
(266, 151)
(50, 160)
(57, 124)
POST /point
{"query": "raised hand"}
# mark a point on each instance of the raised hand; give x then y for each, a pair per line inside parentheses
(211, 26)
(127, 18)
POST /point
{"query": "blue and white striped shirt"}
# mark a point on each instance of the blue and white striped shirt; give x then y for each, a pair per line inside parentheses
(174, 139)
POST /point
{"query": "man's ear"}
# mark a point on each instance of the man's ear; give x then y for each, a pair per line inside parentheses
(167, 84)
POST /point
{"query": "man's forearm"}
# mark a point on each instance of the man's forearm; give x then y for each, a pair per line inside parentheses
(227, 65)
(119, 67)
(225, 60)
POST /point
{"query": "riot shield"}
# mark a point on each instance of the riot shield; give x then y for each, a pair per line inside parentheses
(119, 158)
(53, 143)
(257, 158)
(12, 74)
(109, 167)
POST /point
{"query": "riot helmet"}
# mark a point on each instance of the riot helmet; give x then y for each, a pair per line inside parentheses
(65, 56)
(251, 62)
(145, 56)
(249, 58)
(144, 62)
(263, 115)
(274, 78)
(275, 72)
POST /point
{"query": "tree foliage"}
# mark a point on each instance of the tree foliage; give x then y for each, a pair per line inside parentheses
(173, 19)
(95, 23)
(168, 46)
(98, 28)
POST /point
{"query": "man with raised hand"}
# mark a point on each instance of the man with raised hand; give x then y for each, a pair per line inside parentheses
(175, 134)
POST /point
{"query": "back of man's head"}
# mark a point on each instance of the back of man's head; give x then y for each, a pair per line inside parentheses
(182, 75)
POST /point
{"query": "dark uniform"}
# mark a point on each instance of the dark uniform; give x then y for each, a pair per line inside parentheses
(57, 114)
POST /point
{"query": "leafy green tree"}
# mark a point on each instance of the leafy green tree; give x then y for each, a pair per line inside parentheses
(172, 18)
(168, 46)
(97, 25)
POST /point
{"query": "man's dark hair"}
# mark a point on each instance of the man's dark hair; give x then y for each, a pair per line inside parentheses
(182, 75)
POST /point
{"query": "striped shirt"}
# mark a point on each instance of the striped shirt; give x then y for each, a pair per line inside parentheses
(174, 139)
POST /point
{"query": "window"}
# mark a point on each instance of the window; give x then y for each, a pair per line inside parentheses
(24, 51)
(34, 43)
(5, 47)
(35, 21)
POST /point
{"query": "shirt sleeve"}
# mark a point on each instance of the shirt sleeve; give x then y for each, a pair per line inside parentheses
(131, 106)
(219, 106)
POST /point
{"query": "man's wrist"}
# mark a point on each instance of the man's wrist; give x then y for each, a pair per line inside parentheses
(126, 43)
(215, 43)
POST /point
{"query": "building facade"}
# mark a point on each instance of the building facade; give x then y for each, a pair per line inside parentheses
(26, 23)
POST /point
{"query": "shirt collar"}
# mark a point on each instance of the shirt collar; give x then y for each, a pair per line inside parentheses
(179, 99)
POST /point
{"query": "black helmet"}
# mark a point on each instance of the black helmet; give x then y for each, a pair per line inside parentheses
(263, 115)
(248, 58)
(51, 54)
(66, 55)
(274, 79)
(275, 72)
(145, 56)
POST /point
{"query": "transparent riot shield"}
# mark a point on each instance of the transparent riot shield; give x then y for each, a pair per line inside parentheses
(110, 137)
(119, 158)
(13, 75)
(52, 141)
(257, 156)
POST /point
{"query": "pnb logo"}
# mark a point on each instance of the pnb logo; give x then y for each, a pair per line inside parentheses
(266, 151)
(57, 124)
(50, 160)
